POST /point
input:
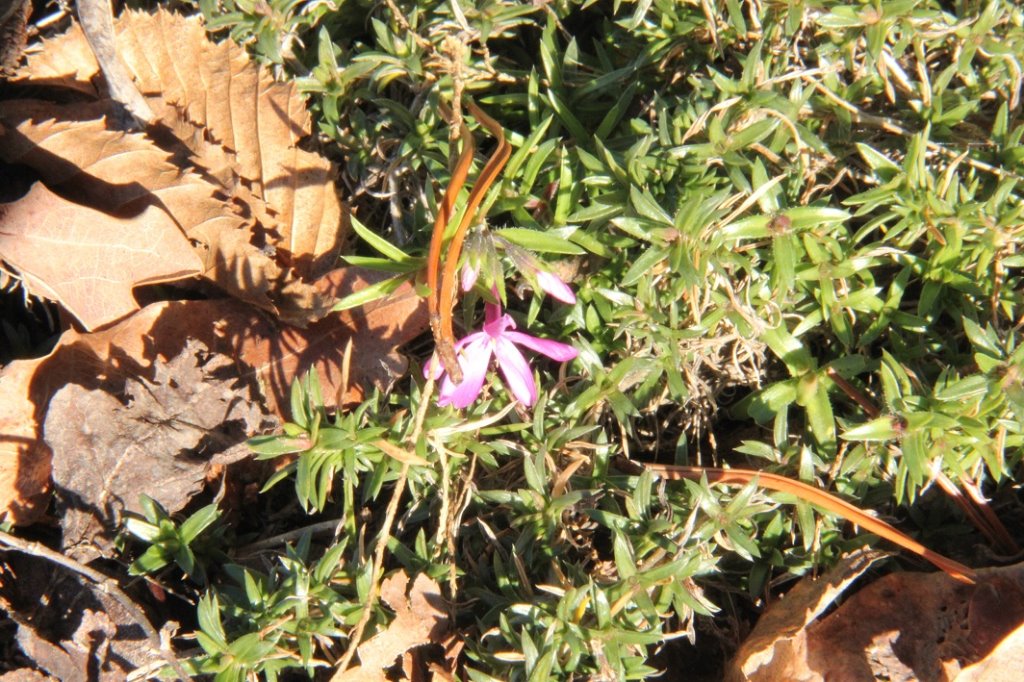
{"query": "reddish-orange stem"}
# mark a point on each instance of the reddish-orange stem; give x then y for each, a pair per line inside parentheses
(493, 168)
(446, 351)
(820, 498)
(442, 295)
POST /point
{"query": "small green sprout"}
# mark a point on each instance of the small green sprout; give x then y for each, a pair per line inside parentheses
(169, 541)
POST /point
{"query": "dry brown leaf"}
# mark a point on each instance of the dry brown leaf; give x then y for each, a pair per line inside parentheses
(238, 115)
(909, 626)
(87, 260)
(64, 61)
(776, 649)
(125, 173)
(97, 639)
(274, 355)
(420, 619)
(1004, 664)
(161, 435)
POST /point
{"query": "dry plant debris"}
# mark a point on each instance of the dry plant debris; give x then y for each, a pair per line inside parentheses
(419, 619)
(192, 415)
(110, 255)
(219, 187)
(908, 626)
(223, 160)
(261, 349)
(13, 21)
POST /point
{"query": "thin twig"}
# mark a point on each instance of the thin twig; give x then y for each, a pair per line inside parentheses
(820, 498)
(356, 634)
(103, 583)
(378, 561)
(283, 538)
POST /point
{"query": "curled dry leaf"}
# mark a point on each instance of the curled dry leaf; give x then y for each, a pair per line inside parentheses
(111, 255)
(161, 434)
(913, 626)
(263, 211)
(98, 639)
(420, 619)
(260, 348)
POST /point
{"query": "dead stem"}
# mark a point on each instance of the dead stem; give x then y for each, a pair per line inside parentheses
(356, 634)
(104, 584)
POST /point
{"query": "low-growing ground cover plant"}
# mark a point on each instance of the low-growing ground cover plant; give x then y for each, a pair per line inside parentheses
(778, 236)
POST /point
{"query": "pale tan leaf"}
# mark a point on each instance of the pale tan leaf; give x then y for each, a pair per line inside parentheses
(260, 120)
(906, 626)
(236, 107)
(87, 260)
(419, 619)
(124, 172)
(64, 61)
(777, 647)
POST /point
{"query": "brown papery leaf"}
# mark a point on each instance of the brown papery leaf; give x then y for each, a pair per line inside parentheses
(238, 115)
(903, 626)
(275, 356)
(87, 260)
(124, 173)
(419, 619)
(64, 61)
(777, 647)
(161, 435)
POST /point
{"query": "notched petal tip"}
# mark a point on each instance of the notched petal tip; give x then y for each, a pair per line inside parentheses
(555, 287)
(556, 350)
(516, 371)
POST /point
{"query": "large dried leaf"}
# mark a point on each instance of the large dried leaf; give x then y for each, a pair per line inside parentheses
(233, 107)
(161, 435)
(126, 172)
(243, 109)
(87, 260)
(777, 647)
(910, 626)
(157, 333)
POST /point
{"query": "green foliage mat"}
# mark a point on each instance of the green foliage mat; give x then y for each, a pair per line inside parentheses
(792, 229)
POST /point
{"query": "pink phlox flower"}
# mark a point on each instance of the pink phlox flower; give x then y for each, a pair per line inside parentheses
(498, 338)
(555, 287)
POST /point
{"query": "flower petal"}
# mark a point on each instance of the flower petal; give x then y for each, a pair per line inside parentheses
(432, 368)
(492, 312)
(556, 350)
(474, 361)
(555, 287)
(475, 337)
(516, 371)
(469, 275)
